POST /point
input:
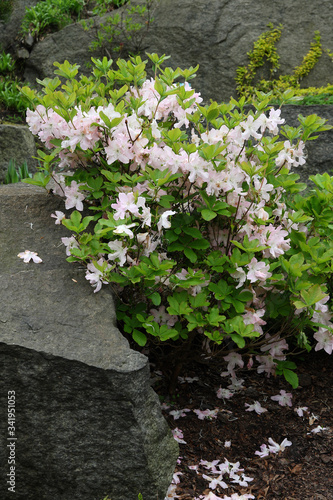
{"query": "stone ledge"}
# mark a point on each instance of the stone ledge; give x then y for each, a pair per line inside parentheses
(88, 422)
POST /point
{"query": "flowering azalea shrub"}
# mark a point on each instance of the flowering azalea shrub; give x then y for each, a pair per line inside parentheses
(196, 221)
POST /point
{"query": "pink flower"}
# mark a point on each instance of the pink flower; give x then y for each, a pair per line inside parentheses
(69, 244)
(240, 276)
(256, 406)
(175, 478)
(252, 317)
(250, 127)
(275, 348)
(209, 465)
(276, 448)
(324, 339)
(214, 482)
(118, 251)
(59, 216)
(242, 480)
(164, 222)
(27, 256)
(127, 202)
(264, 451)
(202, 414)
(224, 393)
(268, 365)
(234, 359)
(74, 196)
(258, 271)
(317, 429)
(96, 275)
(162, 317)
(125, 229)
(300, 411)
(179, 413)
(178, 435)
(284, 398)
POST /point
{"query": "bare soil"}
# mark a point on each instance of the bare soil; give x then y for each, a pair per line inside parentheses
(303, 471)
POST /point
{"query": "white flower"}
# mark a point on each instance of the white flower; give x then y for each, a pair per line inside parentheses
(179, 413)
(324, 338)
(58, 216)
(255, 407)
(202, 414)
(240, 276)
(125, 229)
(178, 435)
(300, 410)
(275, 447)
(224, 393)
(27, 255)
(69, 244)
(284, 398)
(119, 252)
(214, 482)
(317, 429)
(264, 451)
(163, 222)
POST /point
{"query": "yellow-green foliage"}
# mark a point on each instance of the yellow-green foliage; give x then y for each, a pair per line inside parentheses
(264, 51)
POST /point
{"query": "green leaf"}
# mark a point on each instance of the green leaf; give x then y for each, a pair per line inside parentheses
(208, 214)
(192, 256)
(39, 179)
(155, 298)
(291, 377)
(200, 244)
(312, 295)
(240, 341)
(139, 337)
(193, 231)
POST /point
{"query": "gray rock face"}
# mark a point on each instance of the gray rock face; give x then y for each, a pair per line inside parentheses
(71, 43)
(88, 422)
(16, 143)
(10, 29)
(216, 35)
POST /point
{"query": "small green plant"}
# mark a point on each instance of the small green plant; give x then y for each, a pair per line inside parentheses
(11, 99)
(50, 15)
(128, 27)
(7, 63)
(17, 174)
(104, 6)
(264, 51)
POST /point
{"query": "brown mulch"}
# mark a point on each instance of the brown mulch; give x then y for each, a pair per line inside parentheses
(302, 471)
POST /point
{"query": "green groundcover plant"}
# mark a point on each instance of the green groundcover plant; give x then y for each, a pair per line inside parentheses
(11, 99)
(51, 15)
(264, 53)
(16, 174)
(196, 218)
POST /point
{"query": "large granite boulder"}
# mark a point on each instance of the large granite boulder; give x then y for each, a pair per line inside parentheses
(216, 35)
(87, 423)
(16, 143)
(10, 27)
